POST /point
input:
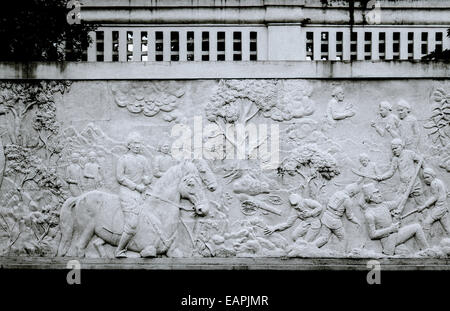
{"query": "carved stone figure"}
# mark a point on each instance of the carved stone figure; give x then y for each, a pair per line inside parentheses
(382, 226)
(404, 161)
(164, 161)
(250, 239)
(70, 179)
(337, 109)
(367, 168)
(388, 123)
(308, 211)
(339, 204)
(437, 202)
(74, 175)
(100, 214)
(408, 125)
(92, 173)
(133, 175)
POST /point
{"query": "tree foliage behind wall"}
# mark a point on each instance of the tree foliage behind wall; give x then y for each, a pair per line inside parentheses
(37, 30)
(439, 55)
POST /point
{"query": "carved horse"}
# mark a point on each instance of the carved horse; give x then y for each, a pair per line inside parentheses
(98, 214)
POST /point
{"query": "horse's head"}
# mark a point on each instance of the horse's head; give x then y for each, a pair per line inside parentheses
(206, 174)
(191, 188)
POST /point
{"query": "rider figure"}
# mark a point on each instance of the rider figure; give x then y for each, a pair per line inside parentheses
(133, 175)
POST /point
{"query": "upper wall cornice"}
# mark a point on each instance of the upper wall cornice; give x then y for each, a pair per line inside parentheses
(406, 12)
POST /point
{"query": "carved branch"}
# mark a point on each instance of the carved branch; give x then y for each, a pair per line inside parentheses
(224, 133)
(26, 178)
(28, 107)
(13, 242)
(47, 229)
(251, 116)
(6, 224)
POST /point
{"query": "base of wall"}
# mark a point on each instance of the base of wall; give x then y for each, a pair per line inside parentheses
(359, 264)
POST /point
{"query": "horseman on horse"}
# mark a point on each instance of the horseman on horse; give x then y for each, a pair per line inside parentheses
(133, 175)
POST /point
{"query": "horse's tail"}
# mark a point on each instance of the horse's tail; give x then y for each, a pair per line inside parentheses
(66, 224)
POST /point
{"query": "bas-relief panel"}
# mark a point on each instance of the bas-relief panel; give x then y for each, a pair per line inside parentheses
(161, 168)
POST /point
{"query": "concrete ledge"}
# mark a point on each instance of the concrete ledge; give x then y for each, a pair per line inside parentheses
(410, 12)
(226, 70)
(359, 264)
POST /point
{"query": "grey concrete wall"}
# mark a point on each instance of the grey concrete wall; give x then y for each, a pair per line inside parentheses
(226, 70)
(257, 11)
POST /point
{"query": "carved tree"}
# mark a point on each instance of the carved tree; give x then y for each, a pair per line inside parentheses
(316, 167)
(237, 102)
(31, 156)
(438, 124)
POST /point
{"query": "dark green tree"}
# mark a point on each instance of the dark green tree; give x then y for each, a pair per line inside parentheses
(38, 30)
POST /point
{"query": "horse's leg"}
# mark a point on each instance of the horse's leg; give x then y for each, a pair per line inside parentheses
(174, 253)
(85, 237)
(148, 251)
(98, 244)
(173, 250)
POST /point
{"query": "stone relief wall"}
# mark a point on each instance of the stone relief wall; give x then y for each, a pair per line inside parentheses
(87, 168)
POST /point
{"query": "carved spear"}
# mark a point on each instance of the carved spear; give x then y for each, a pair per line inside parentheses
(409, 189)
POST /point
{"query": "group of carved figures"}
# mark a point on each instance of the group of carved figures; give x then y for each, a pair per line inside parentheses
(382, 218)
(144, 214)
(83, 173)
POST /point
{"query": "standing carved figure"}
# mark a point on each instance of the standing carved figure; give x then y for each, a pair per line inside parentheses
(408, 125)
(404, 161)
(437, 202)
(308, 211)
(337, 109)
(92, 173)
(367, 168)
(388, 122)
(133, 175)
(164, 161)
(381, 225)
(74, 175)
(339, 204)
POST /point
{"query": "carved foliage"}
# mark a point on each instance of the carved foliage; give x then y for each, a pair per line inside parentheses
(34, 193)
(149, 99)
(314, 165)
(438, 124)
(238, 101)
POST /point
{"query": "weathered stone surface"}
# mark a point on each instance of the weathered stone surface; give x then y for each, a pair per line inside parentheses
(361, 170)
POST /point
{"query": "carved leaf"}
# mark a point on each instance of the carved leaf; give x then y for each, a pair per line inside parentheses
(435, 138)
(436, 112)
(429, 125)
(439, 95)
(442, 123)
(434, 130)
